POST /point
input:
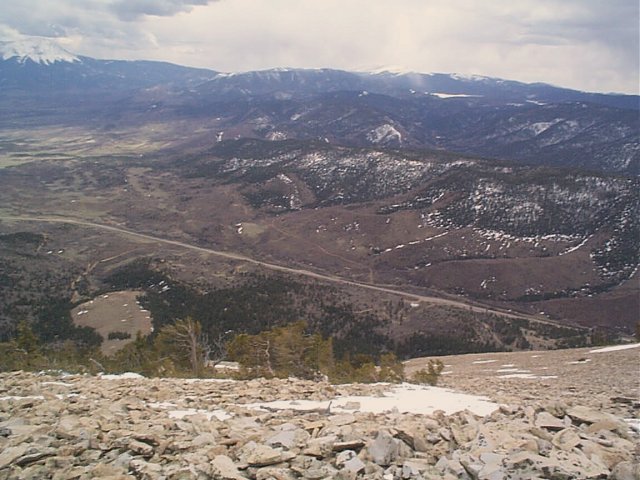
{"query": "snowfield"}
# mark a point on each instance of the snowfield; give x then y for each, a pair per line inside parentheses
(615, 348)
(404, 398)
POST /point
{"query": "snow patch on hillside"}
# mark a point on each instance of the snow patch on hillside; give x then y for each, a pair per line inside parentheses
(472, 77)
(540, 127)
(388, 70)
(384, 134)
(616, 348)
(454, 95)
(404, 398)
(38, 50)
(122, 376)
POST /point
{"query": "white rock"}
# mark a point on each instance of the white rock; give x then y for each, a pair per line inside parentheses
(384, 449)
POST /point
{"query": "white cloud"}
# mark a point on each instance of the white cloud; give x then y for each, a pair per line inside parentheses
(586, 44)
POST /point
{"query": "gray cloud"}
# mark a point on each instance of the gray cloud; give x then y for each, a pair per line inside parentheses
(57, 18)
(130, 10)
(102, 28)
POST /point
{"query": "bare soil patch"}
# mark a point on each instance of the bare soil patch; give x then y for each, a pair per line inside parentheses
(114, 312)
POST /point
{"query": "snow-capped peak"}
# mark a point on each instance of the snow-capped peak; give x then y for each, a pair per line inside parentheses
(37, 49)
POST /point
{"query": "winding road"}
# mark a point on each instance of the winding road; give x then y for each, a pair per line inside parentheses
(272, 266)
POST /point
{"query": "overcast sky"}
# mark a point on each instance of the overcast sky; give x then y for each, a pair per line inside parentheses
(585, 44)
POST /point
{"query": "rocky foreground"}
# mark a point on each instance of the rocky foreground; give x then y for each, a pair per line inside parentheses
(83, 427)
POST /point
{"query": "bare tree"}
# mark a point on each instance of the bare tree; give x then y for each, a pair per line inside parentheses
(184, 340)
(216, 347)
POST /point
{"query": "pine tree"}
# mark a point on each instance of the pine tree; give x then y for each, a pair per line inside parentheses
(26, 340)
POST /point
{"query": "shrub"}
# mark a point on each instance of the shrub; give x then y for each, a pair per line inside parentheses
(282, 352)
(391, 369)
(118, 335)
(429, 375)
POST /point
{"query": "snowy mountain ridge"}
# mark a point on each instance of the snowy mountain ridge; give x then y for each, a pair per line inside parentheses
(471, 114)
(37, 49)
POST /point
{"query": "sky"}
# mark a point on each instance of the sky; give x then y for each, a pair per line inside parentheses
(588, 45)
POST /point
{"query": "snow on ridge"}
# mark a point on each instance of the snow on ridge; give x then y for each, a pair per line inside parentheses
(474, 78)
(576, 247)
(39, 50)
(454, 95)
(388, 70)
(224, 75)
(615, 348)
(527, 376)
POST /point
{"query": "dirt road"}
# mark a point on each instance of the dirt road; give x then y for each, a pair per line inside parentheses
(272, 266)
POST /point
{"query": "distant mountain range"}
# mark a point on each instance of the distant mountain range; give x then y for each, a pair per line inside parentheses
(41, 83)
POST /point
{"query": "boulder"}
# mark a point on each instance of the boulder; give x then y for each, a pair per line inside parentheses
(348, 445)
(566, 439)
(609, 456)
(471, 464)
(556, 408)
(548, 421)
(414, 467)
(320, 447)
(68, 427)
(146, 470)
(575, 464)
(612, 425)
(463, 434)
(344, 456)
(204, 439)
(626, 471)
(34, 454)
(289, 438)
(492, 467)
(258, 455)
(582, 414)
(312, 469)
(223, 468)
(354, 465)
(339, 420)
(140, 448)
(384, 449)
(272, 473)
(452, 467)
(107, 471)
(11, 454)
(349, 461)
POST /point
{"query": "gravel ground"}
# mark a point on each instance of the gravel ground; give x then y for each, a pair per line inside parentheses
(609, 381)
